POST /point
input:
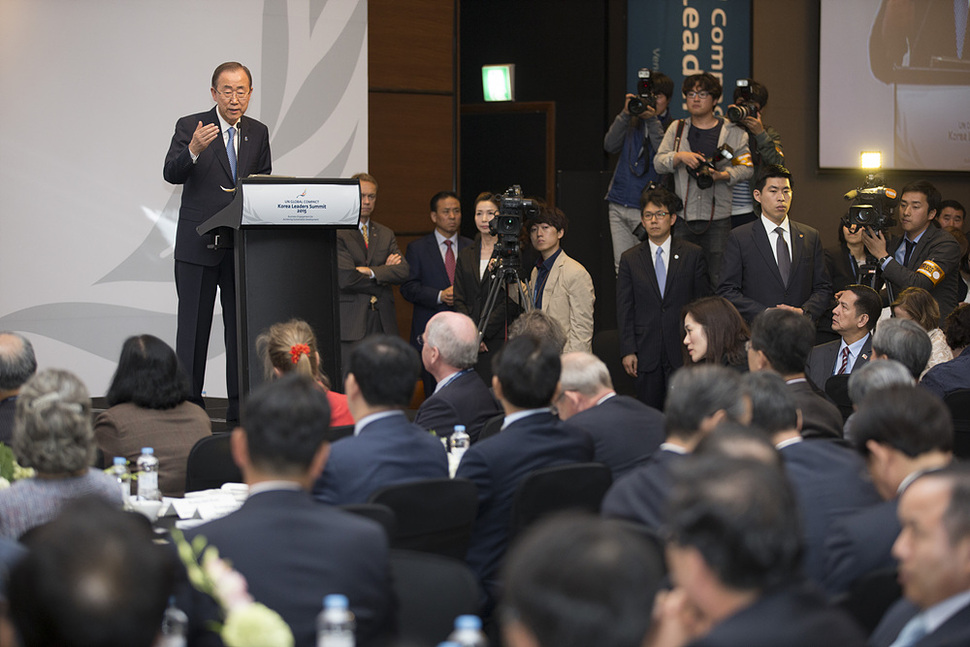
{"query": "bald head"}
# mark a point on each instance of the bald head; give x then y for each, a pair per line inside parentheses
(17, 362)
(450, 344)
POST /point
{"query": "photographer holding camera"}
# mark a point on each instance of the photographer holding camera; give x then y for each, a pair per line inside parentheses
(925, 257)
(635, 134)
(707, 156)
(764, 142)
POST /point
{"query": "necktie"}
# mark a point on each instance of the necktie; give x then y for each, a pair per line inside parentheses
(231, 152)
(909, 251)
(661, 270)
(784, 259)
(912, 632)
(363, 232)
(450, 262)
(845, 361)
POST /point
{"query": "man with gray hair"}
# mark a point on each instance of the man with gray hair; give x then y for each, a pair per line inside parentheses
(872, 377)
(698, 399)
(625, 431)
(449, 352)
(17, 365)
(904, 341)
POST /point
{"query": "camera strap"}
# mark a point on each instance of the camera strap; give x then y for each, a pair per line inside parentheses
(710, 220)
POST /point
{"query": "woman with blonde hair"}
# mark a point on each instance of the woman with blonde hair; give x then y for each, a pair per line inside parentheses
(291, 346)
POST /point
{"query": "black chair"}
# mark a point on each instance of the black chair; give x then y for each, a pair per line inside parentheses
(210, 464)
(491, 427)
(870, 597)
(837, 389)
(433, 515)
(578, 486)
(958, 402)
(375, 512)
(431, 591)
(336, 433)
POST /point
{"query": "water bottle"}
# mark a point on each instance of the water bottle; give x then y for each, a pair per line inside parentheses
(335, 624)
(148, 475)
(468, 632)
(459, 442)
(120, 471)
(174, 626)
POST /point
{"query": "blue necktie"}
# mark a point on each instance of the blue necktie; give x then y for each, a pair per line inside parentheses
(913, 632)
(231, 152)
(661, 270)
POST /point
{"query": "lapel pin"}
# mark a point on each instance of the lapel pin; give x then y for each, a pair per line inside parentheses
(676, 256)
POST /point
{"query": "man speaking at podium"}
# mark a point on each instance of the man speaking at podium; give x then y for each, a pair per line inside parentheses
(209, 152)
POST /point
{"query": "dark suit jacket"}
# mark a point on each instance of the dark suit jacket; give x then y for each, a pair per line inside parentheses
(820, 418)
(750, 278)
(202, 194)
(932, 35)
(463, 401)
(387, 451)
(498, 465)
(294, 551)
(625, 432)
(822, 359)
(830, 483)
(641, 495)
(937, 252)
(356, 289)
(793, 616)
(955, 632)
(7, 409)
(650, 325)
(471, 290)
(860, 544)
(426, 278)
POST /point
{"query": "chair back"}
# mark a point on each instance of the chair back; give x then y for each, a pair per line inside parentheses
(433, 515)
(958, 402)
(431, 591)
(837, 389)
(210, 464)
(577, 486)
(375, 512)
(336, 433)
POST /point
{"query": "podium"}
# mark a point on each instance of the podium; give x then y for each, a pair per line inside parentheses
(283, 233)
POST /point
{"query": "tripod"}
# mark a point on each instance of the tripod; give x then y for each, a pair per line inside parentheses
(506, 274)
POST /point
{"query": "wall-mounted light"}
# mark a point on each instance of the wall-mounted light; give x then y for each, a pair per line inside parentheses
(498, 82)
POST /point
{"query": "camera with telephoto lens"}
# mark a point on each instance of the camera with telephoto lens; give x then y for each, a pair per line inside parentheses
(743, 107)
(872, 205)
(507, 225)
(646, 97)
(702, 174)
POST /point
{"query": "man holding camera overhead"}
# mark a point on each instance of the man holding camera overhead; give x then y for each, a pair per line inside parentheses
(707, 156)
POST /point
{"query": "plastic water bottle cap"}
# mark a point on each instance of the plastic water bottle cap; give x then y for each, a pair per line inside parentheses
(147, 450)
(468, 622)
(448, 643)
(335, 601)
(120, 460)
(459, 427)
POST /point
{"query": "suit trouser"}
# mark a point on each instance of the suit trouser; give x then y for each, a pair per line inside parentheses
(196, 287)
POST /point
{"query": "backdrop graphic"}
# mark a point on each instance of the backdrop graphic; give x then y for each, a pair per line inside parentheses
(92, 90)
(683, 37)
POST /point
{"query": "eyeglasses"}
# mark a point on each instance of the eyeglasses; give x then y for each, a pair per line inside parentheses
(647, 215)
(703, 94)
(229, 94)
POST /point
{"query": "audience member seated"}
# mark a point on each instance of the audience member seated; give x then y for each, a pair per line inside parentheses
(625, 431)
(734, 553)
(292, 347)
(781, 341)
(526, 382)
(448, 352)
(715, 333)
(386, 448)
(854, 318)
(91, 577)
(17, 364)
(52, 434)
(904, 341)
(828, 478)
(539, 324)
(149, 407)
(697, 401)
(916, 304)
(955, 374)
(577, 581)
(902, 432)
(734, 440)
(473, 280)
(934, 563)
(871, 377)
(291, 550)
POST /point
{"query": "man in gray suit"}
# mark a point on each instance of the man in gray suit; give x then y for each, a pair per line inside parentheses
(854, 318)
(369, 263)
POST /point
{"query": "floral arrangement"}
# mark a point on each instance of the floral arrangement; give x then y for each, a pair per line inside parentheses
(246, 623)
(10, 470)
